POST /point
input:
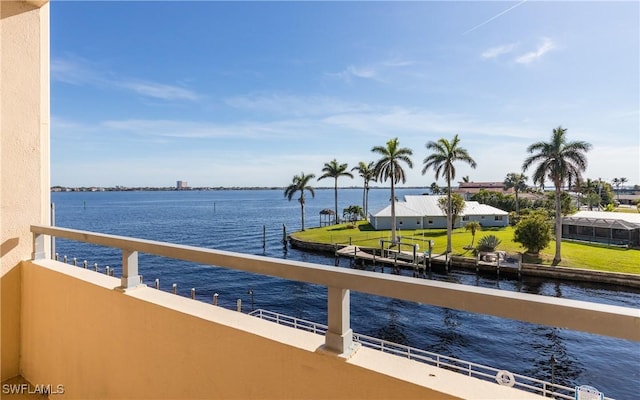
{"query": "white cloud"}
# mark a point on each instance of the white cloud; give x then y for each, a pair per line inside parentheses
(286, 104)
(498, 51)
(546, 46)
(77, 71)
(374, 71)
(207, 130)
(159, 90)
(73, 71)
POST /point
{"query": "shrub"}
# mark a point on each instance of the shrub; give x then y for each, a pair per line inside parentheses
(533, 232)
(488, 243)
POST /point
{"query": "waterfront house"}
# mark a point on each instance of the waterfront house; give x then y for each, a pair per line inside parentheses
(423, 212)
(614, 228)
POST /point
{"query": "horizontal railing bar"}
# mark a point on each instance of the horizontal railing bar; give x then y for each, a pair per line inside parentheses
(465, 367)
(601, 319)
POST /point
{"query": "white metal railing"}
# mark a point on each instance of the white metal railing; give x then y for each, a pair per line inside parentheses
(468, 368)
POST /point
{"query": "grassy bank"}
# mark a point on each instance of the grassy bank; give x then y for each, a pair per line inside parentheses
(577, 255)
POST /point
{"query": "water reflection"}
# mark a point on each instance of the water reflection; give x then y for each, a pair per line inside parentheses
(393, 330)
(550, 359)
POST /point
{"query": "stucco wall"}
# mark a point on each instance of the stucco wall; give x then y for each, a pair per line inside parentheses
(24, 155)
(100, 343)
(410, 223)
(485, 221)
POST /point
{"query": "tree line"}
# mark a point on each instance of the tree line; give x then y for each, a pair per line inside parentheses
(559, 161)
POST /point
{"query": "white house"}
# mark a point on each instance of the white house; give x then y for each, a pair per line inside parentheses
(423, 212)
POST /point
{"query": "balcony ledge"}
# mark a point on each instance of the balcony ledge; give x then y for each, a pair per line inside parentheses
(446, 383)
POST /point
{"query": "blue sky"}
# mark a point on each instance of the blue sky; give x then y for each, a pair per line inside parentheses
(252, 93)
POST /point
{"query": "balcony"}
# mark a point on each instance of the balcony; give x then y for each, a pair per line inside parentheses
(105, 337)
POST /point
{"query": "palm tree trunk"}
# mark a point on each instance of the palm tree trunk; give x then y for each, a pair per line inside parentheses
(366, 207)
(335, 198)
(302, 211)
(364, 199)
(449, 213)
(393, 211)
(558, 229)
(517, 204)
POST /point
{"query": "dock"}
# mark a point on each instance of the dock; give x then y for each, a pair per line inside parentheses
(395, 258)
(493, 262)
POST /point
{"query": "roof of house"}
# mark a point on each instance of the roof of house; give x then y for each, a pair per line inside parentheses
(427, 206)
(476, 187)
(604, 219)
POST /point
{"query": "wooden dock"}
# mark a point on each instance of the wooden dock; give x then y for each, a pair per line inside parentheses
(491, 262)
(400, 259)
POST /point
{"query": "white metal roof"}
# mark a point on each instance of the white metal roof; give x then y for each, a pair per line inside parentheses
(427, 206)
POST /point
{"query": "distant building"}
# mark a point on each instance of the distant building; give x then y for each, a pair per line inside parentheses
(468, 189)
(182, 185)
(628, 199)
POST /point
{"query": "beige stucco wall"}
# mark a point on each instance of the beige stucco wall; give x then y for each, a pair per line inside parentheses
(101, 343)
(24, 155)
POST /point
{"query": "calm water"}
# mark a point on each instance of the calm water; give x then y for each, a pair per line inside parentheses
(216, 219)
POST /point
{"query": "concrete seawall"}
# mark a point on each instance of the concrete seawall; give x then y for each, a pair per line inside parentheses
(536, 270)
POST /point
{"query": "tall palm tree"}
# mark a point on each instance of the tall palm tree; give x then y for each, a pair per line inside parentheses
(445, 153)
(367, 173)
(389, 167)
(617, 182)
(300, 183)
(519, 183)
(557, 160)
(334, 170)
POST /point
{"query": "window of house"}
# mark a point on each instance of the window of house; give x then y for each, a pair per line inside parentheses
(498, 218)
(430, 221)
(465, 218)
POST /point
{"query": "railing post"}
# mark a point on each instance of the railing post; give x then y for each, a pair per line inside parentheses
(339, 336)
(130, 277)
(39, 250)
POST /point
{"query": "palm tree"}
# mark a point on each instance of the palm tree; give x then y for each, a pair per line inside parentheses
(519, 183)
(300, 183)
(388, 167)
(367, 173)
(445, 153)
(590, 189)
(617, 182)
(334, 170)
(557, 160)
(435, 189)
(472, 226)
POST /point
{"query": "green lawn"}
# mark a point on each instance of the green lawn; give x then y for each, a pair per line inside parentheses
(576, 255)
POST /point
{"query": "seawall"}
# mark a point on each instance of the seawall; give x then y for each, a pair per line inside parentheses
(527, 269)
